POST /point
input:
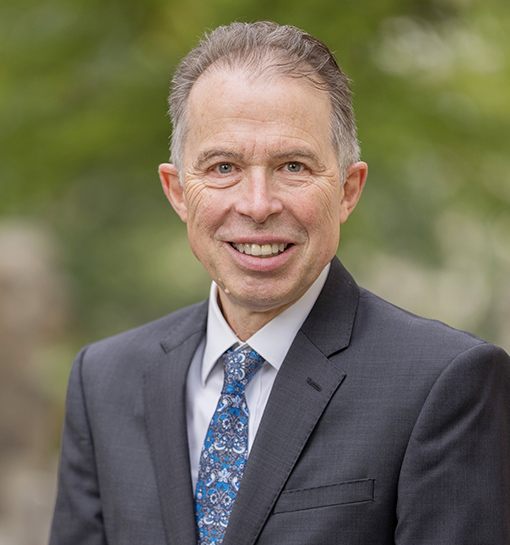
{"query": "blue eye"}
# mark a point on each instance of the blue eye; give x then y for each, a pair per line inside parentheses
(225, 168)
(294, 166)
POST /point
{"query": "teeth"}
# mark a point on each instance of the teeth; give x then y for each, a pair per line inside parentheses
(264, 250)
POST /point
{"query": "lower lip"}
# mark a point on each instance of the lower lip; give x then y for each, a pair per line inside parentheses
(262, 264)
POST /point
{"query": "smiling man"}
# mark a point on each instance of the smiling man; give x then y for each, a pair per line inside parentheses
(262, 190)
(292, 407)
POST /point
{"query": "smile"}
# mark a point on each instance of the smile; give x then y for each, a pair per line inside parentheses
(261, 250)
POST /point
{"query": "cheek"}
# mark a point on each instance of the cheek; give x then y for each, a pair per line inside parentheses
(320, 209)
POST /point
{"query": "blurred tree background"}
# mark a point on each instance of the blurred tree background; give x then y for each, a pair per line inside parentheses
(83, 88)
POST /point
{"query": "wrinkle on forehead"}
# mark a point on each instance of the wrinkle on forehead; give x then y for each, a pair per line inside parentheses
(247, 146)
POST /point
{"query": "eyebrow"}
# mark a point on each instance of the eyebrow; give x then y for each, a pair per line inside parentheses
(207, 155)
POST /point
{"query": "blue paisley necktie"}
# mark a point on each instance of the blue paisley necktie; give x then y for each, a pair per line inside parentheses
(225, 447)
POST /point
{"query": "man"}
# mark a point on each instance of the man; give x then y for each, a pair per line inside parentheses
(354, 421)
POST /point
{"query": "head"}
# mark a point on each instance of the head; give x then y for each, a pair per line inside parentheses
(265, 49)
(265, 165)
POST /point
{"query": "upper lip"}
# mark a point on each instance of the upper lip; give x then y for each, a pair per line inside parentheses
(259, 239)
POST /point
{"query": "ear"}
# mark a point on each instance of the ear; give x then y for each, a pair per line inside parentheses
(173, 190)
(355, 179)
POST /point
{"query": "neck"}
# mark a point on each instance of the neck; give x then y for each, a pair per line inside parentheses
(245, 322)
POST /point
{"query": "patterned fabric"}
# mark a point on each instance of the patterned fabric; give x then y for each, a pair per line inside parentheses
(225, 447)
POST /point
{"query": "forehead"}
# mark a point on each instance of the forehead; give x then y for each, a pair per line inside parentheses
(230, 106)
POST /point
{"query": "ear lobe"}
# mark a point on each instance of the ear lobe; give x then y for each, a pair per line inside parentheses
(355, 179)
(173, 190)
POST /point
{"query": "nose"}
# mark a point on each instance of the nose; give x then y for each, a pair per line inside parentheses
(257, 198)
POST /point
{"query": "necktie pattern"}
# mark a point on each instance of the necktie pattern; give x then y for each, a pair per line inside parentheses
(225, 447)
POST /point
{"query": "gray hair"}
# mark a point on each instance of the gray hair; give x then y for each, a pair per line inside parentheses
(266, 49)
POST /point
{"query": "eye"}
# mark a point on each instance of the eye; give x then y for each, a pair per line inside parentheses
(294, 166)
(224, 168)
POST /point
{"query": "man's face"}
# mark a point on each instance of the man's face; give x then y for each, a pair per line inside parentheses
(262, 194)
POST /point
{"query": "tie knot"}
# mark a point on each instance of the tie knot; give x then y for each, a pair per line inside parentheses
(239, 367)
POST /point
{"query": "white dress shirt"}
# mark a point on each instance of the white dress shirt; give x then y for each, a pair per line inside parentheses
(205, 378)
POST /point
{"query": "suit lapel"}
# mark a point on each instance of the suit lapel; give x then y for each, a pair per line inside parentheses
(165, 410)
(305, 383)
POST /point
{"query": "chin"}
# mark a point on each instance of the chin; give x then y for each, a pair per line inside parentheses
(262, 301)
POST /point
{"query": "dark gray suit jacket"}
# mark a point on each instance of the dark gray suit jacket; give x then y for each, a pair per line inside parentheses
(381, 428)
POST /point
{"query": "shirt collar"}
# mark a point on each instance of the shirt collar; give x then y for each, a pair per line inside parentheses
(272, 341)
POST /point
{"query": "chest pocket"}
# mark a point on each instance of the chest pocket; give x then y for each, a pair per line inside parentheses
(325, 496)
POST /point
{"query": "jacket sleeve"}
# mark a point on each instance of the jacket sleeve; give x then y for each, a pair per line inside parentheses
(454, 486)
(78, 518)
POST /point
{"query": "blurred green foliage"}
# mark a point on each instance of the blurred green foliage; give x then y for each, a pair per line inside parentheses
(83, 87)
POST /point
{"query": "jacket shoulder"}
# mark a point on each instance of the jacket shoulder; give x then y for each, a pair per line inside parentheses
(144, 341)
(400, 330)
